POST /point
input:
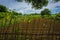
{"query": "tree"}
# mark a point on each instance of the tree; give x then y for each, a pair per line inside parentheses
(3, 8)
(46, 12)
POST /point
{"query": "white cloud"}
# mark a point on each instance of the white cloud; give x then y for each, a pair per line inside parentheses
(53, 6)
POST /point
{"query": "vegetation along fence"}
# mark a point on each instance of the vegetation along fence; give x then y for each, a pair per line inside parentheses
(37, 29)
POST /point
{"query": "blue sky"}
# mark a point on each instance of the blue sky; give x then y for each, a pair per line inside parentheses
(26, 8)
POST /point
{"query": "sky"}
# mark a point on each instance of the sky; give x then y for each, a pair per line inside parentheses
(25, 8)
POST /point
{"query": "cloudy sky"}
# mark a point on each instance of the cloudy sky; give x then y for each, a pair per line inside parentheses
(26, 8)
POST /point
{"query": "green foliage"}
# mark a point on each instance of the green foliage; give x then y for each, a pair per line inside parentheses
(3, 8)
(7, 18)
(37, 3)
(46, 12)
(57, 18)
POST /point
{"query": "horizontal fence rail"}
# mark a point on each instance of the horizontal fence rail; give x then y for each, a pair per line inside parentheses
(26, 34)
